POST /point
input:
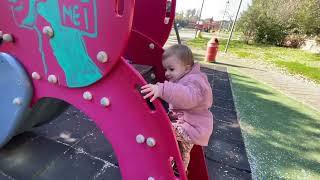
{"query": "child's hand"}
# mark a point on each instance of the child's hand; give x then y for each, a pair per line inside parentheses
(152, 90)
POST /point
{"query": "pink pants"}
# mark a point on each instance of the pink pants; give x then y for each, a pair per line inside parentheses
(184, 142)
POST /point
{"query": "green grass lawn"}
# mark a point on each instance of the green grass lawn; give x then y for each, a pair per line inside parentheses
(294, 61)
(281, 135)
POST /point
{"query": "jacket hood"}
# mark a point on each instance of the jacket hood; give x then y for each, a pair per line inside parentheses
(195, 69)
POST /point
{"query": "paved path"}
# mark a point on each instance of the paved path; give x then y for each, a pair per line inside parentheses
(292, 86)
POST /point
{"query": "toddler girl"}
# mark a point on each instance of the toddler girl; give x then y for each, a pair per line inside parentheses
(189, 95)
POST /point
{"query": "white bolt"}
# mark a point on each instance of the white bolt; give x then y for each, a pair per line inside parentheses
(151, 142)
(87, 95)
(151, 178)
(151, 46)
(35, 76)
(52, 79)
(17, 101)
(166, 20)
(102, 56)
(140, 139)
(153, 76)
(7, 38)
(47, 30)
(105, 102)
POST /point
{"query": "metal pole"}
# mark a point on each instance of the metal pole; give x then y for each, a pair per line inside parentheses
(177, 32)
(234, 22)
(199, 17)
(225, 11)
(230, 24)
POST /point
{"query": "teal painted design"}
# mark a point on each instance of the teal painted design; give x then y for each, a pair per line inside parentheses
(67, 44)
(28, 23)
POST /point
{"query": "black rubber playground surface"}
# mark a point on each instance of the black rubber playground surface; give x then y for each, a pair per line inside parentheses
(72, 148)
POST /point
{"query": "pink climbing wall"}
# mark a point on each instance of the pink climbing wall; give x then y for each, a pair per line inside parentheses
(100, 31)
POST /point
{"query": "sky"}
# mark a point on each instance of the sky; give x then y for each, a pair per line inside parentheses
(213, 8)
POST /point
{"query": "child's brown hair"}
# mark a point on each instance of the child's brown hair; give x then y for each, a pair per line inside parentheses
(182, 52)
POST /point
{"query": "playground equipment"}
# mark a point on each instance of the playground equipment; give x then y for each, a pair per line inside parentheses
(55, 53)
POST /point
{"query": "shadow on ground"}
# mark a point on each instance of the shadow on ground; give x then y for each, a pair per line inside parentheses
(281, 135)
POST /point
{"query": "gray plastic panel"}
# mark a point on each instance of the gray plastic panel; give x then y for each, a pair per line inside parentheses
(14, 83)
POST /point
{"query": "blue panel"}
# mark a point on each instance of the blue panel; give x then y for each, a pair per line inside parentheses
(14, 83)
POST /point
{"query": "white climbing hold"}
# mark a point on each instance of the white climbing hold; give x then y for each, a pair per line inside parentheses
(87, 95)
(7, 38)
(140, 139)
(151, 178)
(166, 20)
(105, 102)
(102, 56)
(151, 142)
(35, 76)
(47, 30)
(17, 101)
(151, 46)
(52, 79)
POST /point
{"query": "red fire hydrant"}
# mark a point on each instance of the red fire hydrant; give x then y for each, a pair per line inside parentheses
(212, 49)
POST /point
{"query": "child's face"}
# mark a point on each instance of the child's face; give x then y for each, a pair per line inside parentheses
(174, 68)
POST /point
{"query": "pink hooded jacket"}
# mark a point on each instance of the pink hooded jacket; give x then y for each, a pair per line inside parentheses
(190, 98)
